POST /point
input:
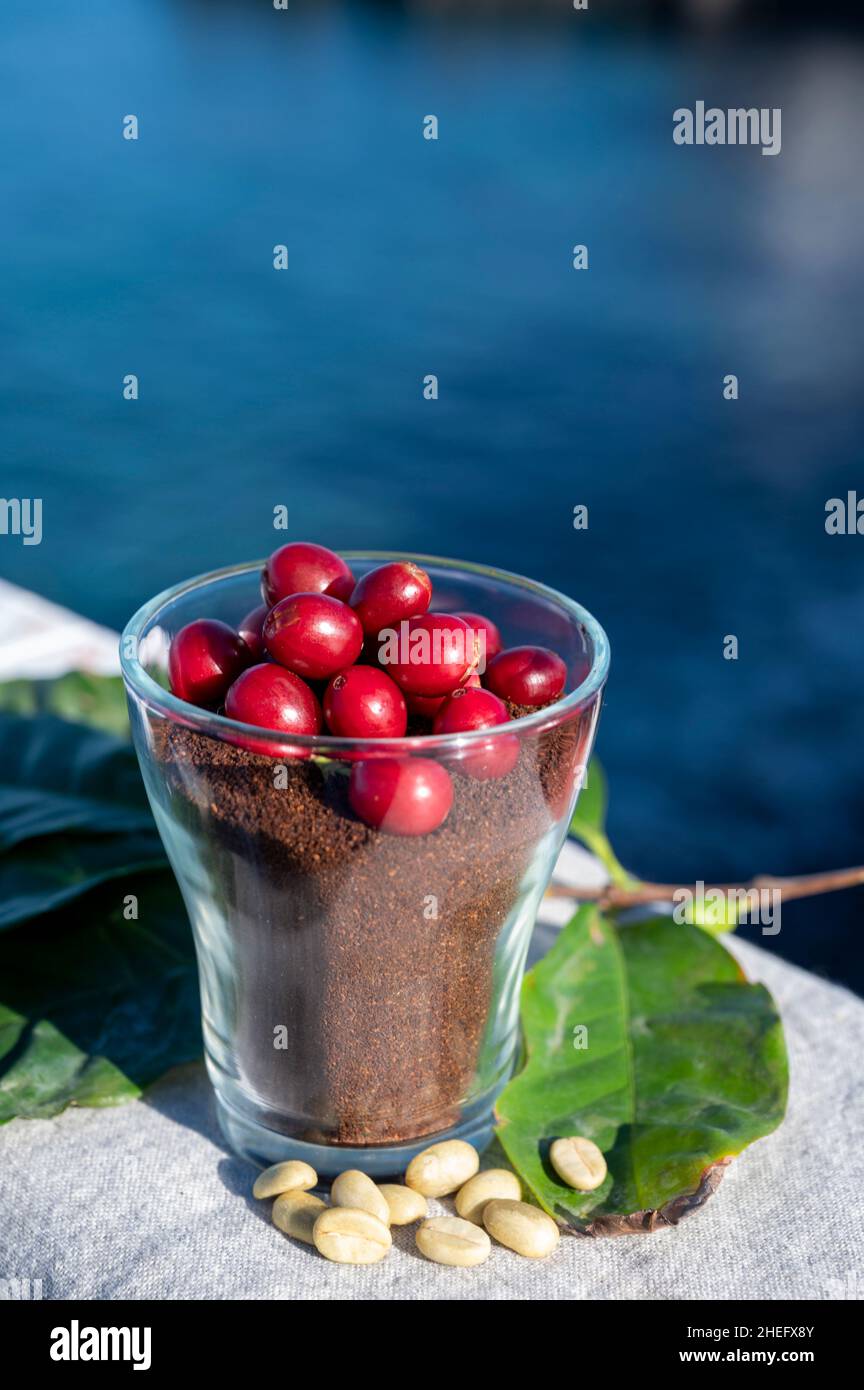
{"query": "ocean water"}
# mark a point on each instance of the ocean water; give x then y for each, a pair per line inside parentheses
(557, 388)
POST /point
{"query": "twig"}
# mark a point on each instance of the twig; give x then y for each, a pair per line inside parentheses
(610, 895)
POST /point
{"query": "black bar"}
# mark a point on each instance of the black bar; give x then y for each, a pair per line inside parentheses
(648, 1337)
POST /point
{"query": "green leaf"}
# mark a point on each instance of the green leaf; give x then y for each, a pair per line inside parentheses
(73, 813)
(83, 765)
(52, 1073)
(589, 824)
(44, 874)
(685, 1065)
(98, 701)
(28, 813)
(102, 1007)
(94, 1006)
(590, 813)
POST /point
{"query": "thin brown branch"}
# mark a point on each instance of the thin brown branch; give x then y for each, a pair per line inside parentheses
(610, 895)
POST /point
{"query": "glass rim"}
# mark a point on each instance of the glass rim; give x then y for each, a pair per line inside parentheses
(141, 683)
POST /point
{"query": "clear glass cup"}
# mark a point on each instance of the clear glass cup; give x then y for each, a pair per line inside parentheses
(359, 989)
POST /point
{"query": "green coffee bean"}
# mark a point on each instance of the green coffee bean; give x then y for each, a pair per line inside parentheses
(405, 1204)
(349, 1236)
(525, 1229)
(494, 1182)
(448, 1240)
(295, 1213)
(354, 1189)
(442, 1168)
(293, 1176)
(578, 1162)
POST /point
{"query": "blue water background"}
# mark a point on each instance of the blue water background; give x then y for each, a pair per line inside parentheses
(556, 388)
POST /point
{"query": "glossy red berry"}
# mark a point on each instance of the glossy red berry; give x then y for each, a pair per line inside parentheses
(303, 568)
(386, 595)
(251, 630)
(427, 706)
(205, 657)
(313, 635)
(491, 635)
(363, 702)
(273, 698)
(468, 710)
(526, 675)
(401, 796)
(429, 655)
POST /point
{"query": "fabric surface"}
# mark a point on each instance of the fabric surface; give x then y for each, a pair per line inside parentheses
(144, 1201)
(39, 639)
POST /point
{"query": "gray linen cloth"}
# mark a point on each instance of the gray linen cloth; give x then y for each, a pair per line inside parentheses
(144, 1201)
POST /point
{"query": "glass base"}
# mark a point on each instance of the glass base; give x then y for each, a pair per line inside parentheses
(263, 1146)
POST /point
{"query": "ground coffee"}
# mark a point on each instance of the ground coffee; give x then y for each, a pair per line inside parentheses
(374, 953)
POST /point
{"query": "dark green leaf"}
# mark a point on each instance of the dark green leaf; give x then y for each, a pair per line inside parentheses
(73, 813)
(44, 874)
(94, 1006)
(28, 813)
(68, 760)
(685, 1065)
(102, 1006)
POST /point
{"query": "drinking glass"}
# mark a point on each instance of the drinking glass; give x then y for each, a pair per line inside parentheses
(360, 989)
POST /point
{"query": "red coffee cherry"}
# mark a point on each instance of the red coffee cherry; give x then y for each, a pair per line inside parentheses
(273, 698)
(386, 595)
(468, 710)
(303, 568)
(434, 654)
(526, 675)
(401, 796)
(363, 702)
(313, 635)
(251, 630)
(427, 706)
(205, 657)
(478, 623)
